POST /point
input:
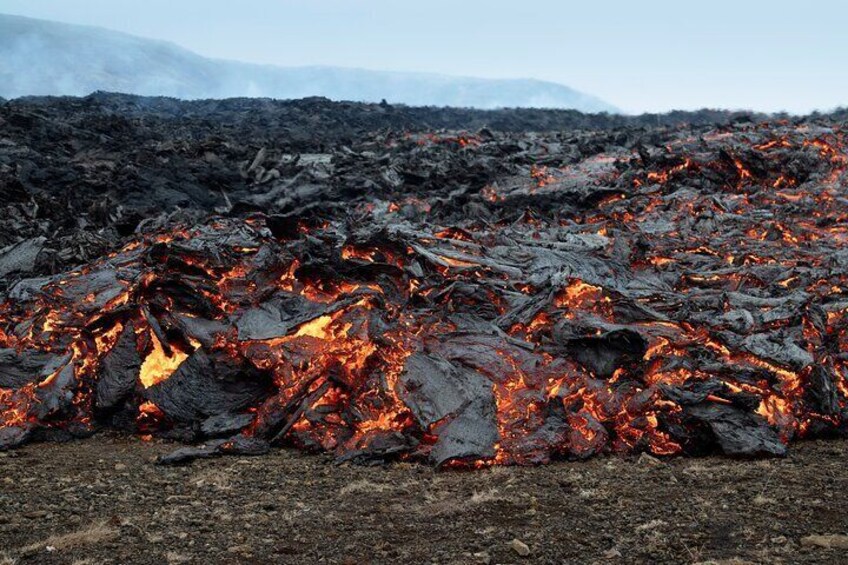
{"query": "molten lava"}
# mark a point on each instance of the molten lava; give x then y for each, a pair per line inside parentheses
(685, 300)
(158, 365)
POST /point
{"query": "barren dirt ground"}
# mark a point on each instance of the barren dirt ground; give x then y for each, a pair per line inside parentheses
(103, 501)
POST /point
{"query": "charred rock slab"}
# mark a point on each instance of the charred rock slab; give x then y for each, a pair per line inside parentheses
(457, 402)
(207, 385)
(238, 445)
(120, 371)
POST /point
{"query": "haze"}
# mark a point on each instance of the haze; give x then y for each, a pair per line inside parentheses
(639, 56)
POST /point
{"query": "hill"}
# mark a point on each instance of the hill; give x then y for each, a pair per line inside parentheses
(39, 57)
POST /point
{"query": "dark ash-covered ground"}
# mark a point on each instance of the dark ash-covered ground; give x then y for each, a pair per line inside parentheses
(103, 501)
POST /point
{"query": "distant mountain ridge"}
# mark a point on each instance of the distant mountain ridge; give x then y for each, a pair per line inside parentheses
(39, 57)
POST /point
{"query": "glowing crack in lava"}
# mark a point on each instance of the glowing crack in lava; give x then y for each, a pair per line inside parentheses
(159, 365)
(685, 301)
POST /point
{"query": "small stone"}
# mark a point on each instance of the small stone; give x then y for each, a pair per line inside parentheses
(828, 541)
(174, 558)
(648, 460)
(761, 500)
(483, 557)
(778, 540)
(613, 553)
(120, 467)
(520, 547)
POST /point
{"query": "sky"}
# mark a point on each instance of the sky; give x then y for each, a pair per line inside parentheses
(639, 55)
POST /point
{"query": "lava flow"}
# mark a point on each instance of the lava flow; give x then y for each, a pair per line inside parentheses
(685, 300)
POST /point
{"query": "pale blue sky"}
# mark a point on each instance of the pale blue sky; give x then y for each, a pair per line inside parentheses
(638, 55)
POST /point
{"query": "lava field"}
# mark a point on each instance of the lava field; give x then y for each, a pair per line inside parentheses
(453, 287)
